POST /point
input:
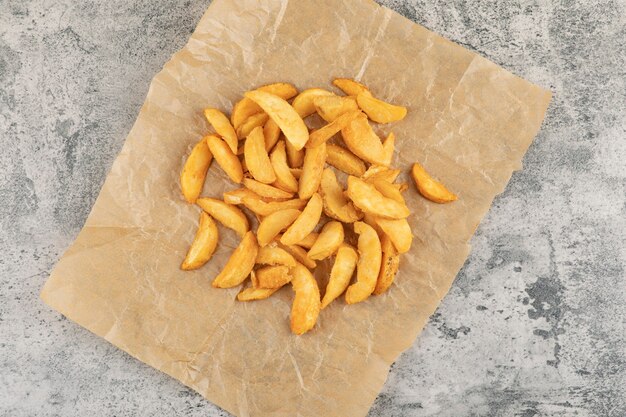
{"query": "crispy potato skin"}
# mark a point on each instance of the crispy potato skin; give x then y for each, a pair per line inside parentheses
(430, 188)
(306, 304)
(203, 245)
(194, 171)
(239, 264)
(368, 266)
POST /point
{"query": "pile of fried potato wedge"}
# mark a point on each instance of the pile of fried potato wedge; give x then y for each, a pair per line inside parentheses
(305, 214)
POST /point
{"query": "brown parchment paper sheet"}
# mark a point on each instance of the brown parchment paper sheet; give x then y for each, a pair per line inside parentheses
(469, 122)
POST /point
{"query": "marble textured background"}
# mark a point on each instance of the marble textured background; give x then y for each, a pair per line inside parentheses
(535, 323)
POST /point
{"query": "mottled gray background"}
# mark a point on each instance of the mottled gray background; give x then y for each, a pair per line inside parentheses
(533, 326)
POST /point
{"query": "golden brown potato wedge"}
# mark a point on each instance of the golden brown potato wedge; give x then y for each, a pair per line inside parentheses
(367, 198)
(368, 266)
(236, 196)
(378, 110)
(321, 135)
(331, 107)
(225, 158)
(336, 205)
(253, 294)
(290, 123)
(284, 178)
(314, 160)
(263, 208)
(239, 264)
(388, 268)
(389, 148)
(194, 171)
(273, 224)
(309, 240)
(349, 86)
(379, 172)
(222, 126)
(273, 276)
(271, 254)
(227, 214)
(429, 187)
(257, 159)
(251, 123)
(296, 172)
(266, 190)
(306, 303)
(344, 160)
(294, 156)
(305, 223)
(246, 107)
(300, 255)
(398, 231)
(329, 240)
(271, 132)
(360, 138)
(203, 245)
(341, 273)
(388, 189)
(303, 103)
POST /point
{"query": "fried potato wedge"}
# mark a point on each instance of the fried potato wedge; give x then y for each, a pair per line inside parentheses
(344, 160)
(266, 190)
(303, 103)
(380, 172)
(340, 274)
(222, 126)
(367, 198)
(331, 107)
(263, 208)
(329, 240)
(371, 220)
(227, 214)
(305, 223)
(388, 189)
(296, 172)
(398, 231)
(429, 187)
(368, 266)
(239, 264)
(309, 240)
(273, 276)
(284, 178)
(388, 149)
(300, 255)
(349, 86)
(306, 303)
(388, 268)
(271, 133)
(251, 123)
(246, 107)
(360, 138)
(203, 245)
(321, 135)
(236, 197)
(257, 159)
(290, 123)
(271, 254)
(253, 294)
(336, 205)
(275, 223)
(378, 110)
(314, 160)
(294, 156)
(194, 171)
(225, 158)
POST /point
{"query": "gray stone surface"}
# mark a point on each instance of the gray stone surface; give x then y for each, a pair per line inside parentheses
(535, 323)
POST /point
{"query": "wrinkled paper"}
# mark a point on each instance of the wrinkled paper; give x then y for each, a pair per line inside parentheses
(469, 122)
